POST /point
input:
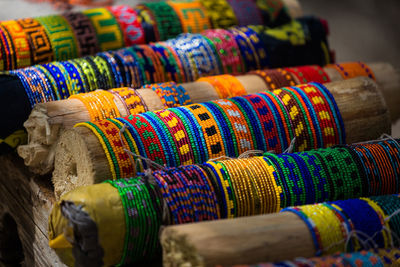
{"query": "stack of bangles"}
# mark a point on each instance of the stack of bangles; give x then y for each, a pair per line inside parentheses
(77, 34)
(229, 127)
(183, 59)
(174, 95)
(259, 185)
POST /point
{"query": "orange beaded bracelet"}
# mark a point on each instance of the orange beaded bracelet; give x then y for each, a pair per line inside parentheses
(225, 85)
(100, 104)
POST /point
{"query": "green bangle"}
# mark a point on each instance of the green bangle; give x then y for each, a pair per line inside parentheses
(167, 20)
(105, 71)
(108, 31)
(89, 73)
(62, 38)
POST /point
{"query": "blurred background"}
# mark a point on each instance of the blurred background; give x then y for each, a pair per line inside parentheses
(366, 30)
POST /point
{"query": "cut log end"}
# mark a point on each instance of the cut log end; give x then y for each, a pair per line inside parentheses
(177, 251)
(74, 161)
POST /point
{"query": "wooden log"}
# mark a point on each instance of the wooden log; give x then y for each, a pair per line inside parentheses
(81, 160)
(246, 240)
(25, 202)
(48, 120)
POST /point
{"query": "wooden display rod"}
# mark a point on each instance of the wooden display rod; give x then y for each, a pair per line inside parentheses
(80, 159)
(48, 120)
(246, 240)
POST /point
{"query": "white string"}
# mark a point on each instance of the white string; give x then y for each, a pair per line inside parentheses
(248, 153)
(291, 146)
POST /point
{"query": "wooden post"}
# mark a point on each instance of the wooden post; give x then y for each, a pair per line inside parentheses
(48, 120)
(80, 159)
(25, 200)
(246, 240)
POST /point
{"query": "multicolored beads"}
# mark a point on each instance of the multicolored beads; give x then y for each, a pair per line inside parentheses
(349, 225)
(61, 37)
(265, 121)
(183, 59)
(258, 185)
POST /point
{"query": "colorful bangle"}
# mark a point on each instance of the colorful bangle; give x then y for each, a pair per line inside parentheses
(353, 69)
(225, 85)
(84, 32)
(172, 69)
(129, 22)
(192, 14)
(167, 20)
(252, 51)
(62, 39)
(6, 49)
(152, 70)
(131, 99)
(20, 43)
(41, 50)
(307, 74)
(221, 14)
(171, 94)
(100, 104)
(210, 130)
(227, 49)
(147, 23)
(108, 31)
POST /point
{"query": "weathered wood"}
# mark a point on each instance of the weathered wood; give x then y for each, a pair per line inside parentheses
(27, 199)
(246, 240)
(80, 159)
(48, 120)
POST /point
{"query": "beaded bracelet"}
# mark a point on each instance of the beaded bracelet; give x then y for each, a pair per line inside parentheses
(129, 22)
(220, 13)
(100, 104)
(299, 116)
(167, 20)
(192, 15)
(249, 43)
(167, 140)
(353, 69)
(142, 219)
(274, 79)
(39, 42)
(151, 66)
(172, 69)
(131, 99)
(6, 49)
(148, 23)
(225, 85)
(307, 74)
(227, 49)
(84, 32)
(252, 121)
(21, 47)
(171, 94)
(109, 33)
(179, 134)
(238, 123)
(197, 139)
(62, 39)
(145, 137)
(227, 133)
(210, 130)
